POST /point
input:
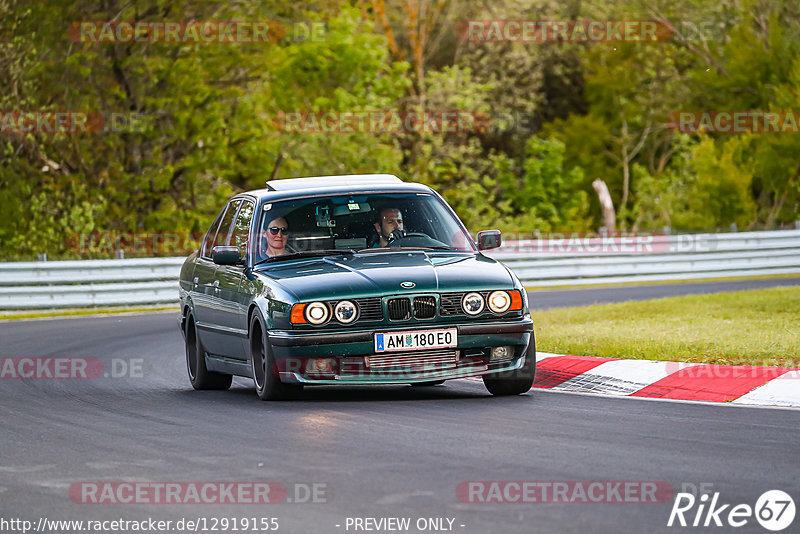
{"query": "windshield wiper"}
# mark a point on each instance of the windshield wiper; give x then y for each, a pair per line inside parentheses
(306, 254)
(399, 249)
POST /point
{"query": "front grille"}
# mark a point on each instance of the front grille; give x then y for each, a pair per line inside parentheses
(407, 361)
(450, 304)
(424, 307)
(399, 309)
(369, 309)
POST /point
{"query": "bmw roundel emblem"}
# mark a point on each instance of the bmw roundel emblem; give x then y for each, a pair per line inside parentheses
(407, 285)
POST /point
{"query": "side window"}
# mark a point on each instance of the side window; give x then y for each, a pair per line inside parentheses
(225, 226)
(209, 239)
(241, 229)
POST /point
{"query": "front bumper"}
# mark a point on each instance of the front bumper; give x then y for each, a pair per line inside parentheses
(348, 349)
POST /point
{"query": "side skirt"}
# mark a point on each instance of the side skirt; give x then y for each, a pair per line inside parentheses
(229, 366)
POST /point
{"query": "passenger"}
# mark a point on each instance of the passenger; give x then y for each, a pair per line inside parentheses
(274, 237)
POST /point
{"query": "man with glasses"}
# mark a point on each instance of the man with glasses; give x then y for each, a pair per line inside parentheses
(274, 237)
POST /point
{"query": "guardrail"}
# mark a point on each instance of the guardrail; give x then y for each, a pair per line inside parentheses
(540, 263)
(68, 284)
(579, 261)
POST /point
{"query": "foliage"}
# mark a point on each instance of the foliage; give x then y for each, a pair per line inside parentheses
(545, 195)
(562, 114)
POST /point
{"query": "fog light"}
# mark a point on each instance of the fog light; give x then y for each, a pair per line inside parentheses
(320, 366)
(501, 353)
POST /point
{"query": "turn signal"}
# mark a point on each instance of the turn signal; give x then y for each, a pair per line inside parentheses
(297, 316)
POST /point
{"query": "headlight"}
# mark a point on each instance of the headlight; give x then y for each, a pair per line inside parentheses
(472, 303)
(317, 313)
(345, 312)
(499, 301)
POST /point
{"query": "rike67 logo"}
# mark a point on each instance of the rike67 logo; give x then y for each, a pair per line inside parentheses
(774, 510)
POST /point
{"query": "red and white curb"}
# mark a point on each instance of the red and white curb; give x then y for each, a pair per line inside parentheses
(738, 384)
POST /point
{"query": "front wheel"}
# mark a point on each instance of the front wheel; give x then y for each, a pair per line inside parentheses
(265, 371)
(517, 381)
(199, 375)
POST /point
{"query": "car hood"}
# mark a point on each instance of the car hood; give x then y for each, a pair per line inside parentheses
(373, 274)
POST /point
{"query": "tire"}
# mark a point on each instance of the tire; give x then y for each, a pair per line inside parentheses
(265, 371)
(427, 384)
(517, 381)
(199, 375)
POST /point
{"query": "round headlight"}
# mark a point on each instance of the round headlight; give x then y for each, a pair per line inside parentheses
(345, 312)
(317, 313)
(472, 303)
(499, 301)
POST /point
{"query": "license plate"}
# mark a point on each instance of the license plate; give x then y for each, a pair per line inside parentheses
(416, 340)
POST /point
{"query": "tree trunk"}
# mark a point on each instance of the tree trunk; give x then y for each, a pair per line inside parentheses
(609, 215)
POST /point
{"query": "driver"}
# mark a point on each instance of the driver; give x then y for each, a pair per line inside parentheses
(389, 220)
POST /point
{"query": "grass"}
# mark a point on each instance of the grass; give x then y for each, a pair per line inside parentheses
(76, 312)
(755, 327)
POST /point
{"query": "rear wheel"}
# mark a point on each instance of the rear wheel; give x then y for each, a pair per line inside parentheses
(199, 375)
(265, 371)
(517, 381)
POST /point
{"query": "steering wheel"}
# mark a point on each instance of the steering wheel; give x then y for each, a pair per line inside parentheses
(398, 236)
(394, 236)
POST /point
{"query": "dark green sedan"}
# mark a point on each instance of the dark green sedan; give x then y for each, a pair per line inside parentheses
(351, 280)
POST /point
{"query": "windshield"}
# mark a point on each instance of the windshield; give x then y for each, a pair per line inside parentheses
(358, 222)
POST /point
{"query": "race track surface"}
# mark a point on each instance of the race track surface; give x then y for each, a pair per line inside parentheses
(542, 299)
(376, 452)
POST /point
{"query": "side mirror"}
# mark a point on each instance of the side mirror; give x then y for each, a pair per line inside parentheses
(226, 255)
(489, 239)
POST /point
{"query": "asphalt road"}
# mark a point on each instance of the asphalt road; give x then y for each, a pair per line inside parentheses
(375, 452)
(541, 299)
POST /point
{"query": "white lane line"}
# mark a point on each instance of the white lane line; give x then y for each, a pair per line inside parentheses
(781, 391)
(621, 377)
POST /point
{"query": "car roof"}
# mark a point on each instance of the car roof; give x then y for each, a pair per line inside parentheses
(333, 185)
(289, 184)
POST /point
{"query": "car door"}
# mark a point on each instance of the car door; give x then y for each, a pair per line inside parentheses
(233, 301)
(207, 302)
(203, 276)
